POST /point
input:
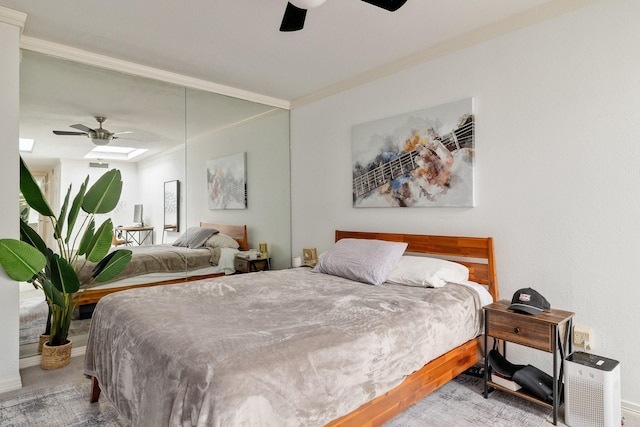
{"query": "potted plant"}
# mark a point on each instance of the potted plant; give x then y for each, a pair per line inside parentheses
(55, 270)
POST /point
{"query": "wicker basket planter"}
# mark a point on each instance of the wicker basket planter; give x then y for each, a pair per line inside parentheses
(41, 340)
(54, 357)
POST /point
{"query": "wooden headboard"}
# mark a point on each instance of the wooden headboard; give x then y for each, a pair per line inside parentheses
(238, 232)
(474, 252)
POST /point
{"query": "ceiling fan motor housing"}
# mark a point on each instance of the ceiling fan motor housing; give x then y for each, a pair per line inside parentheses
(307, 4)
(101, 136)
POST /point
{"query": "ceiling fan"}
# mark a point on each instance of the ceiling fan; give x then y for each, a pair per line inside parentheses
(99, 136)
(296, 11)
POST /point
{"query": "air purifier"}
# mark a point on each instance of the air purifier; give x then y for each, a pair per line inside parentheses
(592, 391)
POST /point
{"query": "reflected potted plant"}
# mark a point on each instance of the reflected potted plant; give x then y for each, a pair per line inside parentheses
(55, 270)
(24, 216)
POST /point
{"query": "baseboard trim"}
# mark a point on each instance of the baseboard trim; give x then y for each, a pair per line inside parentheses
(629, 408)
(27, 362)
(11, 384)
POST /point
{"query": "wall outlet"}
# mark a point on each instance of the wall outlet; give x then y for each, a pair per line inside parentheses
(582, 336)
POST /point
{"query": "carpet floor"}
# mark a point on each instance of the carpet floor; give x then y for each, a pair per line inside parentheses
(47, 401)
(460, 402)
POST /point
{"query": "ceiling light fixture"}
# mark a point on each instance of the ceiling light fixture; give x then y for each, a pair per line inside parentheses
(102, 140)
(307, 4)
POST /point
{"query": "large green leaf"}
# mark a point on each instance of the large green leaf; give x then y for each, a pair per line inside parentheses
(32, 193)
(101, 242)
(51, 293)
(63, 275)
(31, 236)
(111, 265)
(75, 209)
(57, 233)
(87, 237)
(20, 260)
(103, 196)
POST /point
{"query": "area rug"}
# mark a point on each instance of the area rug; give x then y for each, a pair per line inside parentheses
(457, 403)
(460, 402)
(64, 405)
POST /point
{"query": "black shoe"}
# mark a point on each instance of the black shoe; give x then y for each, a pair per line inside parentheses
(502, 366)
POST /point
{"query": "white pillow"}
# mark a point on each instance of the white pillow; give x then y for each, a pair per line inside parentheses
(427, 272)
(220, 240)
(362, 260)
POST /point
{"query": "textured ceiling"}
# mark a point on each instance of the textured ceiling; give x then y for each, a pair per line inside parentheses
(237, 43)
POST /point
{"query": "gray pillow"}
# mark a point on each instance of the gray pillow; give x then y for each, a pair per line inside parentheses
(362, 260)
(195, 237)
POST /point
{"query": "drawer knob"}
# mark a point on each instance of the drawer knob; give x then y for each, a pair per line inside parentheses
(516, 330)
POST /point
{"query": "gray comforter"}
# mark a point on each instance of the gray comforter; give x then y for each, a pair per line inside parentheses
(278, 348)
(160, 259)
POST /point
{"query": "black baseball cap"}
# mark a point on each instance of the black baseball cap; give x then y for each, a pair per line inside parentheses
(529, 301)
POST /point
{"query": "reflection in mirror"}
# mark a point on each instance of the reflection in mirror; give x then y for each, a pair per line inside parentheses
(218, 127)
(171, 207)
(146, 117)
(179, 127)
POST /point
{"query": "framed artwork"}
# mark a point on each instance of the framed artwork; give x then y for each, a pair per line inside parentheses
(420, 159)
(226, 182)
(172, 206)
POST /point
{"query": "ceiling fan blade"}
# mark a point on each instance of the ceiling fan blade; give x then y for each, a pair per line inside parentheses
(390, 5)
(82, 127)
(64, 132)
(293, 19)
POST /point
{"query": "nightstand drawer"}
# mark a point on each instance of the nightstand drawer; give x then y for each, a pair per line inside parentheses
(241, 265)
(520, 329)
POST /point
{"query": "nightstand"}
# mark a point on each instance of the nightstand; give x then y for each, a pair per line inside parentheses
(549, 331)
(244, 265)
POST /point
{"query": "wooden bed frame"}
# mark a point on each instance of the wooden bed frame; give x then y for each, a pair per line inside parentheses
(474, 252)
(238, 232)
(477, 254)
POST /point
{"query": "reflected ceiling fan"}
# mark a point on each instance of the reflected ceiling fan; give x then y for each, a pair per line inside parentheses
(99, 136)
(296, 11)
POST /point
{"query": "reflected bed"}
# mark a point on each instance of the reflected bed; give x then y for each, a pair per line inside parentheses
(167, 264)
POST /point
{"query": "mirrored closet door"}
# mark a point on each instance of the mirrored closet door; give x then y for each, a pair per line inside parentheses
(163, 137)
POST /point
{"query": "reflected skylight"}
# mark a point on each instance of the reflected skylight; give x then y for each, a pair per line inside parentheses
(113, 152)
(26, 144)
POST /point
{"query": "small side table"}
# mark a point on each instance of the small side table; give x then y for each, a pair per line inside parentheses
(244, 265)
(138, 235)
(548, 331)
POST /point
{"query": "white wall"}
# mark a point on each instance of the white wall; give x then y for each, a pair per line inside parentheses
(74, 172)
(9, 164)
(557, 175)
(266, 144)
(155, 173)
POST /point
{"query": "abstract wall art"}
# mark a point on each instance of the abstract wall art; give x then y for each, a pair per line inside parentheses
(226, 182)
(420, 159)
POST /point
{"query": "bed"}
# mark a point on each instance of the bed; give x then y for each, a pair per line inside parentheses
(249, 369)
(178, 265)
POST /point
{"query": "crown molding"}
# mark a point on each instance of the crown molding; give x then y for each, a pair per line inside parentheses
(102, 61)
(13, 17)
(519, 21)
